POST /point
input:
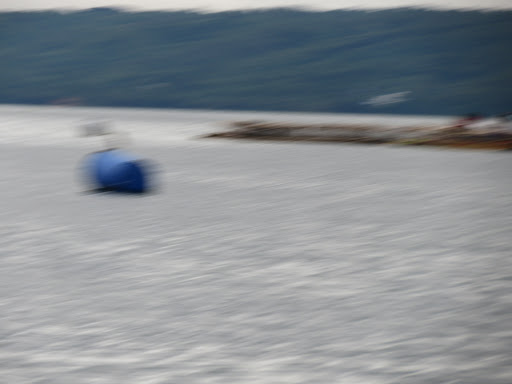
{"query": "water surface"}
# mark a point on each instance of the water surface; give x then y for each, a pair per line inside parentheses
(254, 262)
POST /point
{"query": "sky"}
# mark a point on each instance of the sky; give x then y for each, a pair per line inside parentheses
(222, 5)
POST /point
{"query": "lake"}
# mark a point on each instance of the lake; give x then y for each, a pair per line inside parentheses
(253, 262)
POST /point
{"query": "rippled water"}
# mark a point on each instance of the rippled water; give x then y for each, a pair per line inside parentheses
(254, 262)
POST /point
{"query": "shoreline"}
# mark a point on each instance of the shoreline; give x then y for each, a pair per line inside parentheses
(492, 137)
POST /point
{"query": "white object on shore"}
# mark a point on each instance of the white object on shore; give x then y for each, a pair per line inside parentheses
(95, 129)
(112, 139)
(490, 124)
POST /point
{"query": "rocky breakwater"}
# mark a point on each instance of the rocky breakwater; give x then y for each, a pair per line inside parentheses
(491, 136)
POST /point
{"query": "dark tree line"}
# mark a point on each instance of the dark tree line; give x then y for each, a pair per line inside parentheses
(450, 62)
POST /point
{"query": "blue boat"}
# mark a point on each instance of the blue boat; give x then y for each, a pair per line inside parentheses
(116, 170)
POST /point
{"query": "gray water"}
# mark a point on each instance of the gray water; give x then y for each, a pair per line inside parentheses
(254, 262)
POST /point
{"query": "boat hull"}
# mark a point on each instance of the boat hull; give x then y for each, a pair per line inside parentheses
(117, 171)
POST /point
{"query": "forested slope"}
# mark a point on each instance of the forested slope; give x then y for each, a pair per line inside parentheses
(450, 62)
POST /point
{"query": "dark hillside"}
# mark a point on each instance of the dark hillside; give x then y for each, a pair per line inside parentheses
(448, 62)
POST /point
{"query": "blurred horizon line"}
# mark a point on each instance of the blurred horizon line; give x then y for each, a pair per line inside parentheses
(188, 7)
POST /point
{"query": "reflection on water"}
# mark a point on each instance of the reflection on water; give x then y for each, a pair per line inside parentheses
(255, 262)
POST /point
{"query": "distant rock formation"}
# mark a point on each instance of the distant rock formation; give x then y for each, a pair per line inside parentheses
(495, 136)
